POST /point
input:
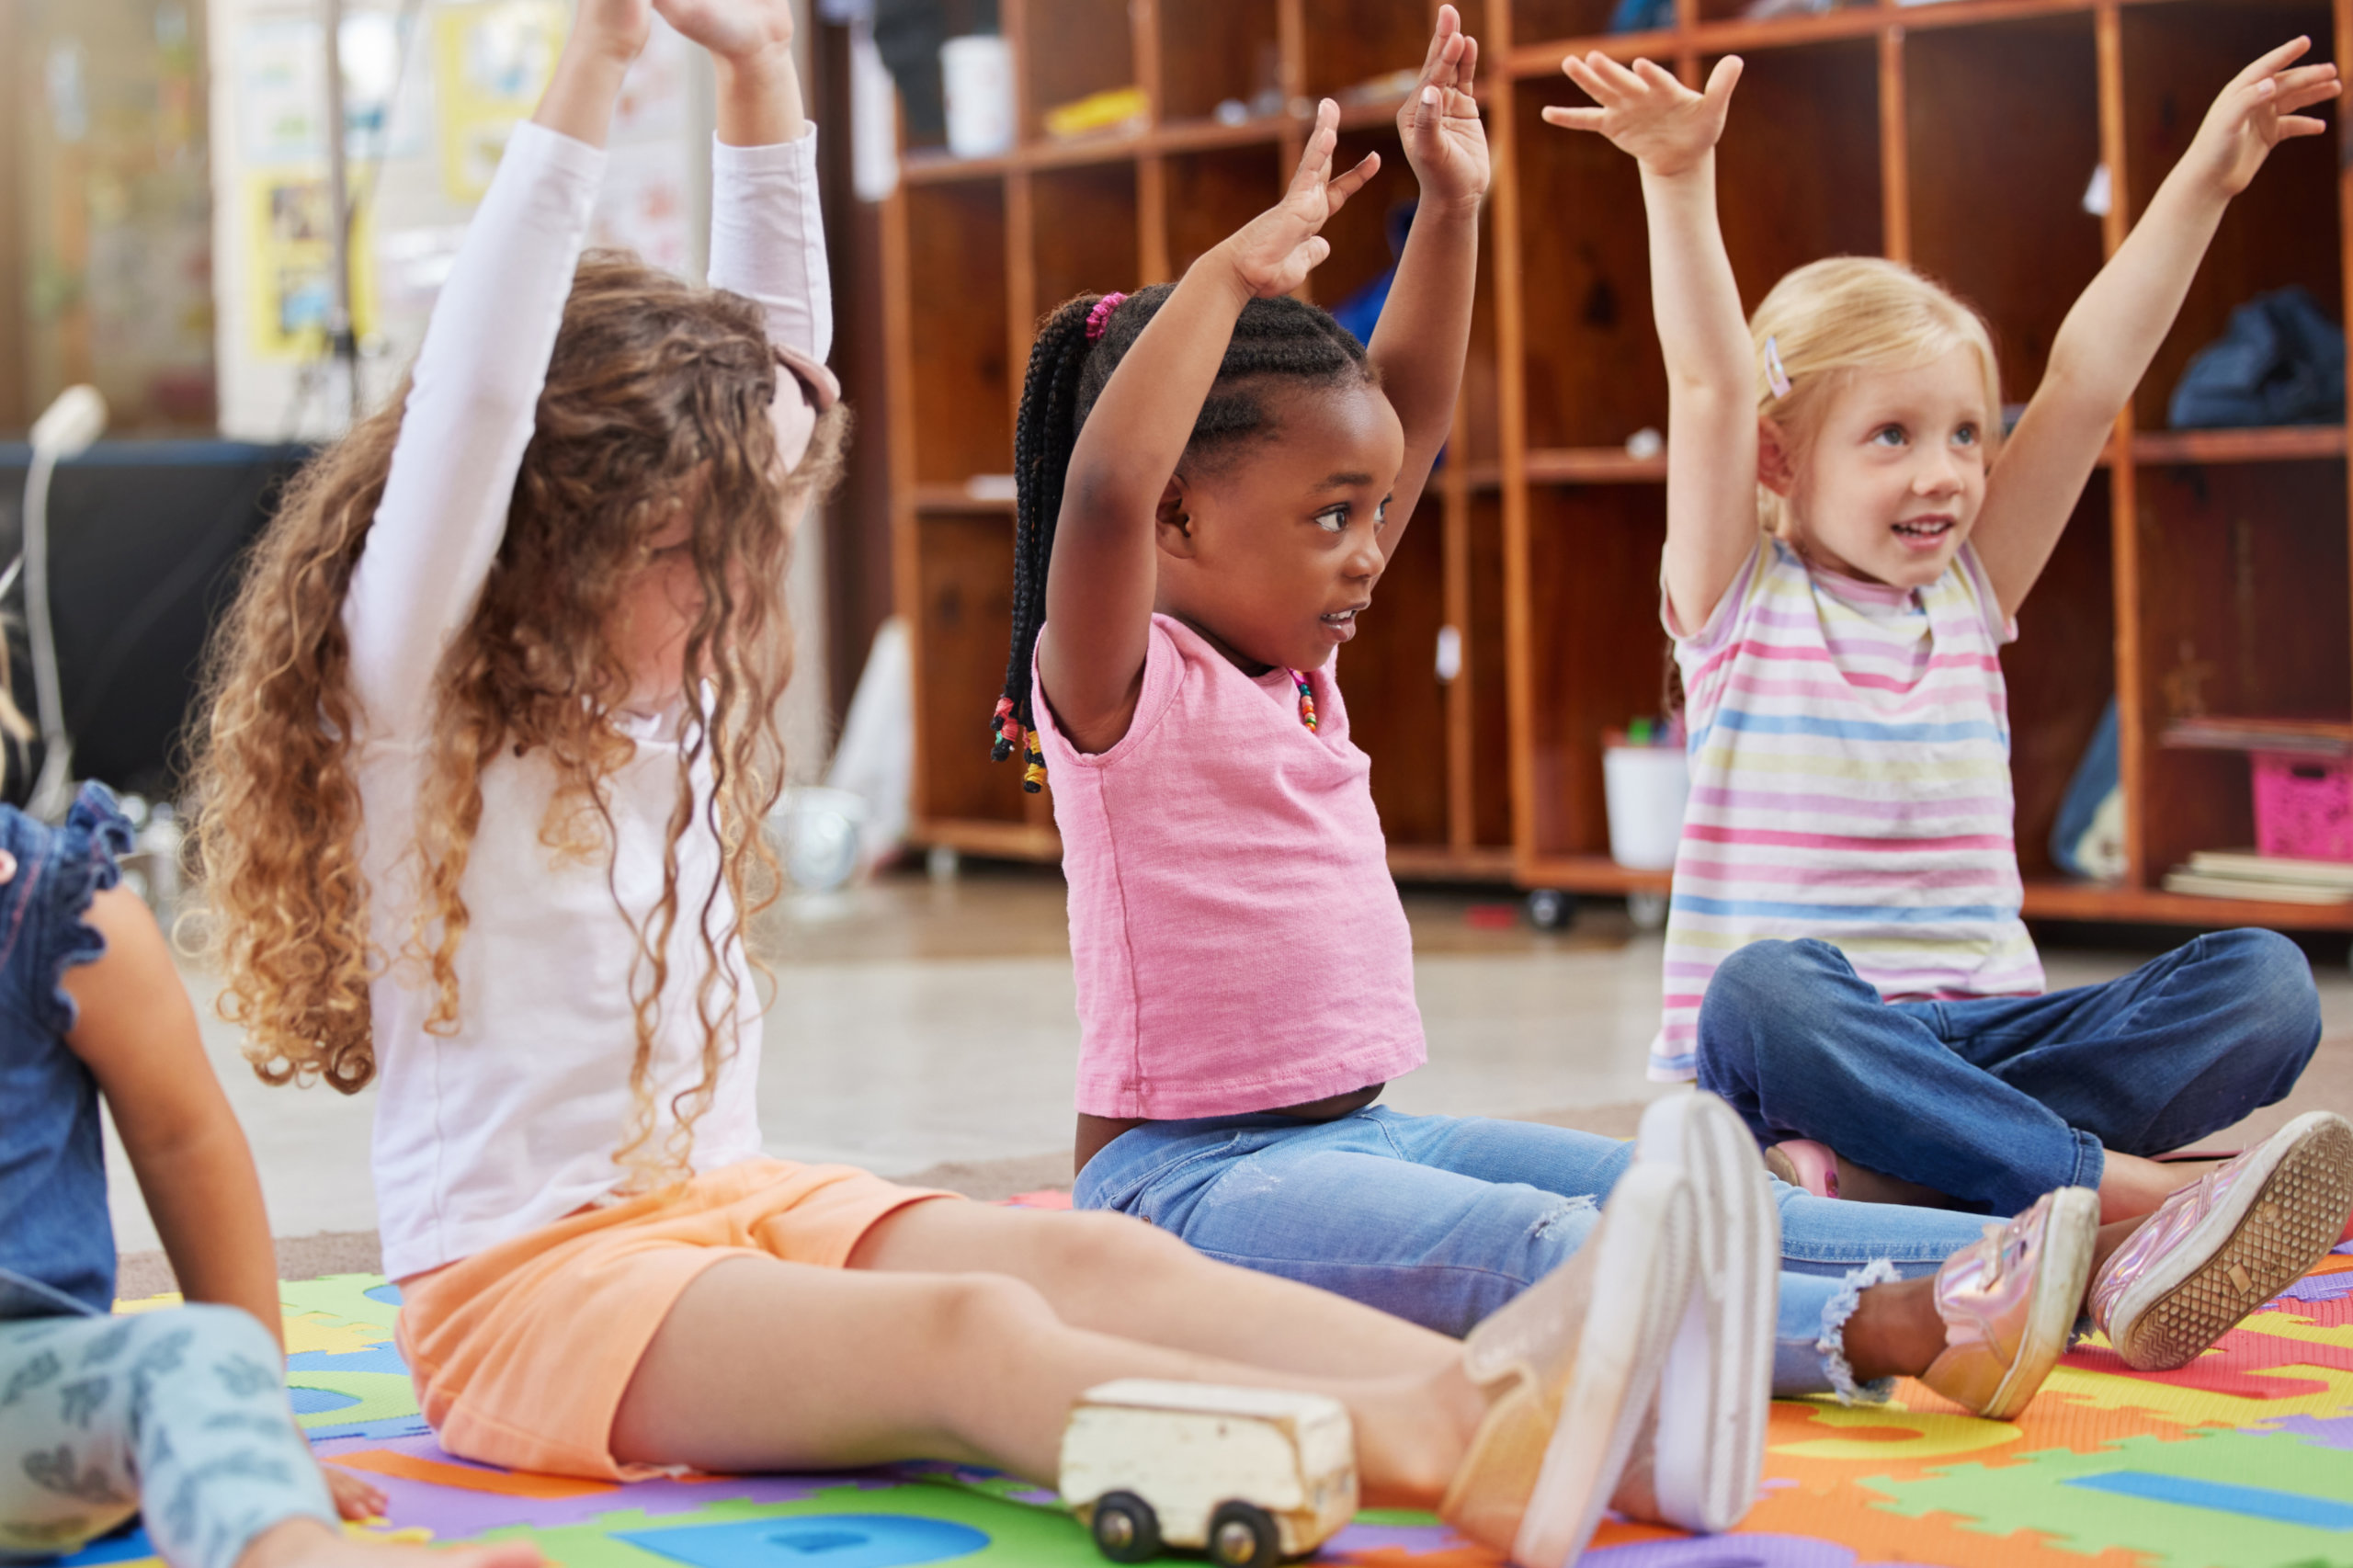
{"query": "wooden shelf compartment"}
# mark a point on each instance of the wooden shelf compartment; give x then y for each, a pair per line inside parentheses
(2056, 900)
(1075, 49)
(1350, 43)
(1596, 655)
(1083, 235)
(1803, 180)
(2243, 608)
(1214, 54)
(963, 572)
(1389, 678)
(2175, 58)
(2012, 108)
(2060, 673)
(2289, 443)
(1590, 874)
(958, 379)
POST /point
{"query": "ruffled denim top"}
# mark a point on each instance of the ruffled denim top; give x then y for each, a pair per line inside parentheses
(56, 1242)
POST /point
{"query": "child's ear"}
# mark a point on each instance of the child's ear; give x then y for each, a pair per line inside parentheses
(1171, 520)
(1775, 471)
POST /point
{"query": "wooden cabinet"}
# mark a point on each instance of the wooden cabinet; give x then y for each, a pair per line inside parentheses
(2206, 573)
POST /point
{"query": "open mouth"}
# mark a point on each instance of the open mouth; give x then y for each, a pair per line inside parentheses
(1342, 623)
(1924, 532)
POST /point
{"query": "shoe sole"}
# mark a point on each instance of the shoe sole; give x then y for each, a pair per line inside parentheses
(2274, 1225)
(2062, 1271)
(1648, 1246)
(1716, 1390)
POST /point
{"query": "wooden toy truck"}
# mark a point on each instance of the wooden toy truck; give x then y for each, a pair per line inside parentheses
(1251, 1476)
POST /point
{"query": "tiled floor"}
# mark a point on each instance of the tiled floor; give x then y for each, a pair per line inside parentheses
(917, 1023)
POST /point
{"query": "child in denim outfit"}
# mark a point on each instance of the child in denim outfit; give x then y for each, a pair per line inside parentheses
(182, 1413)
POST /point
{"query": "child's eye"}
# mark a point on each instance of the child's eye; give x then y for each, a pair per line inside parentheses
(1381, 517)
(1332, 519)
(1965, 437)
(1889, 436)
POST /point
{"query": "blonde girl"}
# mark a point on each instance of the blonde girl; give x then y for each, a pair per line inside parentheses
(1849, 833)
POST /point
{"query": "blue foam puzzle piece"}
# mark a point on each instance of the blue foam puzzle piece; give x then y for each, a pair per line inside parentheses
(822, 1540)
(2253, 1502)
(126, 1546)
(318, 1402)
(388, 1294)
(375, 1359)
(377, 1431)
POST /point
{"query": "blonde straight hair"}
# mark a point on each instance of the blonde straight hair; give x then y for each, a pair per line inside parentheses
(1831, 318)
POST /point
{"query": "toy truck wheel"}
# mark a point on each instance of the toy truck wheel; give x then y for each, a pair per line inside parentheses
(1242, 1535)
(1126, 1530)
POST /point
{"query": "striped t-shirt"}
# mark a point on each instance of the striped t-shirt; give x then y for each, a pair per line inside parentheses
(1851, 781)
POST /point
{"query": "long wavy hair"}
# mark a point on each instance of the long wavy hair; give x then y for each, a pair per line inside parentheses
(656, 405)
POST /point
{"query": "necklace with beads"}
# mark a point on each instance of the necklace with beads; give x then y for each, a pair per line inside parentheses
(1306, 698)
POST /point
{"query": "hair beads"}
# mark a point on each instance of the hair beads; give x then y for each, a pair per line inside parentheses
(1078, 347)
(1306, 699)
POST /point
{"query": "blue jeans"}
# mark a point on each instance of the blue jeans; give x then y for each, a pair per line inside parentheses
(1996, 1100)
(1443, 1219)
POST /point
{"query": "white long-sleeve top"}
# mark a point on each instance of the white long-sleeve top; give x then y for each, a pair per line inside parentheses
(512, 1119)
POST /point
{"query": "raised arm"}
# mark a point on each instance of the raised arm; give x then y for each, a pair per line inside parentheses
(2104, 345)
(1712, 435)
(1424, 331)
(473, 395)
(1100, 586)
(767, 239)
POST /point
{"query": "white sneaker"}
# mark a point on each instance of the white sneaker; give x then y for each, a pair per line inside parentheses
(1571, 1369)
(1717, 1386)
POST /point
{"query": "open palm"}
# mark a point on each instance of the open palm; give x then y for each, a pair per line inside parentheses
(2258, 111)
(1438, 124)
(1276, 251)
(1646, 112)
(733, 29)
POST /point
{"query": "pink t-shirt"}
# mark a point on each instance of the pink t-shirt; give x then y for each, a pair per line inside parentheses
(1239, 943)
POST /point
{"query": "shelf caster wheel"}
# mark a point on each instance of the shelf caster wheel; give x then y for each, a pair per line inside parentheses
(1242, 1535)
(1647, 910)
(941, 862)
(1549, 909)
(1125, 1527)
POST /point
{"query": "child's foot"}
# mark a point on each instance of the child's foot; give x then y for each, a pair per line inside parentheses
(2009, 1302)
(306, 1542)
(1805, 1165)
(1703, 1460)
(2226, 1243)
(1571, 1370)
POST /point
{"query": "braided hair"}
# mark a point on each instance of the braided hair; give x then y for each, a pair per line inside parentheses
(1281, 340)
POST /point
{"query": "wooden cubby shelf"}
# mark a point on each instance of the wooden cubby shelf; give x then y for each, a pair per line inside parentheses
(2205, 571)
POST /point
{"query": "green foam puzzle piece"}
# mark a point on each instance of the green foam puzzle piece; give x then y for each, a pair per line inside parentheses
(342, 1297)
(381, 1396)
(1021, 1535)
(2030, 1491)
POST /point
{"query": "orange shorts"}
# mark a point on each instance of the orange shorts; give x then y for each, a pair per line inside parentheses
(521, 1353)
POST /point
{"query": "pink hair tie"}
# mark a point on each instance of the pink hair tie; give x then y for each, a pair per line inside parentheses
(1100, 316)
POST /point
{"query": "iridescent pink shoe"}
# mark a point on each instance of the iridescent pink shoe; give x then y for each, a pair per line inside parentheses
(2226, 1243)
(2009, 1302)
(1805, 1165)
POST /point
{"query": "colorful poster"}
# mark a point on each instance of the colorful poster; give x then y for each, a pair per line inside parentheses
(491, 61)
(292, 255)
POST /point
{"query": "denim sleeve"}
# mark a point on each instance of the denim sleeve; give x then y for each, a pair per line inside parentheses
(79, 861)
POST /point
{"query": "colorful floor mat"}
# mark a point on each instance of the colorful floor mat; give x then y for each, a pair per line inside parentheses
(2243, 1459)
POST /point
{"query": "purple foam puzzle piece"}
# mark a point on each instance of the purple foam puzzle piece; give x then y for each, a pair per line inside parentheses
(1726, 1552)
(455, 1513)
(2332, 1432)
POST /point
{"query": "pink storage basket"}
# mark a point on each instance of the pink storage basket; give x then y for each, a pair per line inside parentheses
(2303, 807)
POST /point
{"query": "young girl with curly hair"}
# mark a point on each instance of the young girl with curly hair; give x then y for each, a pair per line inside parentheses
(490, 745)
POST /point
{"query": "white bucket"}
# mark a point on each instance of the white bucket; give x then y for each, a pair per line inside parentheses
(1645, 787)
(976, 74)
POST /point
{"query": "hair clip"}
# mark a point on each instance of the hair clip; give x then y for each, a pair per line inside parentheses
(1777, 375)
(1100, 316)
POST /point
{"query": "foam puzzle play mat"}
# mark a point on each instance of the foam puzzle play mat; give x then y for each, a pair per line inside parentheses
(2241, 1459)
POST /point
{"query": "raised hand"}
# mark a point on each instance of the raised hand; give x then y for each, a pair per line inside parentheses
(2258, 111)
(1440, 123)
(1665, 126)
(615, 29)
(1274, 252)
(732, 30)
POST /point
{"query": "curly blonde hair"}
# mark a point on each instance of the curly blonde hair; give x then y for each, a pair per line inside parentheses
(656, 405)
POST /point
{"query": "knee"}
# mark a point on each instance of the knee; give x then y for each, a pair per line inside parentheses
(981, 1315)
(1111, 1255)
(1769, 994)
(2270, 984)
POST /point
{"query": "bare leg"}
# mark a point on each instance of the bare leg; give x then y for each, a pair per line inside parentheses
(765, 1364)
(311, 1543)
(2130, 1186)
(1895, 1331)
(1114, 1275)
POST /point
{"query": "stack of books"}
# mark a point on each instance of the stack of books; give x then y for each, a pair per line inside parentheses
(2242, 874)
